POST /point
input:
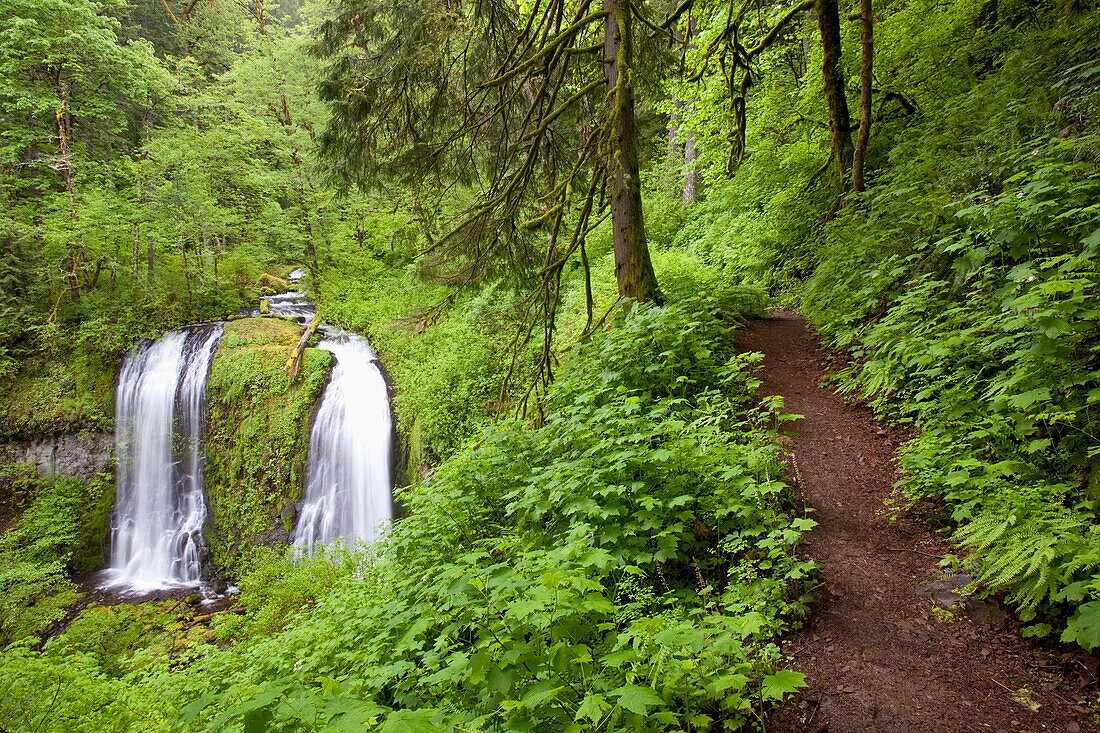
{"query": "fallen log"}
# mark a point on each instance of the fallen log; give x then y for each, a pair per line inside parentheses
(239, 610)
(295, 359)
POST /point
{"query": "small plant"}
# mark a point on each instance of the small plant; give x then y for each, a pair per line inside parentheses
(942, 615)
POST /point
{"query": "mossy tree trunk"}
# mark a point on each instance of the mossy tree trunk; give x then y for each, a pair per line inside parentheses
(633, 268)
(865, 68)
(840, 124)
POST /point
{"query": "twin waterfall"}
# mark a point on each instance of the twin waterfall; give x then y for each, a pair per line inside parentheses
(160, 508)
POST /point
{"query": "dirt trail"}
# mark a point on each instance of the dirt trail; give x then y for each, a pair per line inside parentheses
(876, 656)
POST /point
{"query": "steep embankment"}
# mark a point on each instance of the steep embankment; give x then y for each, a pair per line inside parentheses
(891, 646)
(258, 436)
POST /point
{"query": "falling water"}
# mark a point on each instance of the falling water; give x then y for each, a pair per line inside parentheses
(348, 491)
(156, 537)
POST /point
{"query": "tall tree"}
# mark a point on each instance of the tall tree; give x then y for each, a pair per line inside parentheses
(633, 269)
(530, 106)
(865, 77)
(840, 124)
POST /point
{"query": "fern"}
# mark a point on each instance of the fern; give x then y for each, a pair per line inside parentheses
(1034, 550)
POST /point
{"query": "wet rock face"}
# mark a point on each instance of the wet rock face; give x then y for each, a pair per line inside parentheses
(83, 455)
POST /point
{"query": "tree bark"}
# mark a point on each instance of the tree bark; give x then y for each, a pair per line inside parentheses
(691, 181)
(840, 124)
(633, 268)
(137, 239)
(866, 62)
(672, 162)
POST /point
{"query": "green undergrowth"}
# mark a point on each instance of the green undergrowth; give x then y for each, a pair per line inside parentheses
(963, 285)
(104, 650)
(258, 436)
(629, 564)
(53, 395)
(60, 530)
(446, 367)
(63, 380)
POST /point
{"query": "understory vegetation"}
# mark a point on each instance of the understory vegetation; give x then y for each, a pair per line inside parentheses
(61, 529)
(629, 563)
(960, 290)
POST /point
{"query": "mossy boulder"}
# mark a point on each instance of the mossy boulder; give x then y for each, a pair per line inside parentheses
(258, 437)
(93, 524)
(274, 284)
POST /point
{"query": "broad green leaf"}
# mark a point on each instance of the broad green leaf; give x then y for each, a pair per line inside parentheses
(637, 699)
(785, 681)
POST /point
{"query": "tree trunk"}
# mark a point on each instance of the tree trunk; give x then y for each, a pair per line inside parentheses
(672, 162)
(137, 249)
(633, 268)
(65, 168)
(840, 124)
(866, 63)
(691, 180)
(691, 185)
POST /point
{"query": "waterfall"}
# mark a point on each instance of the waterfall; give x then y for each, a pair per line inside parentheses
(348, 487)
(156, 535)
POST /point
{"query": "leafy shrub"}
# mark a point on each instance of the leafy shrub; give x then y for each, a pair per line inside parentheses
(63, 526)
(628, 563)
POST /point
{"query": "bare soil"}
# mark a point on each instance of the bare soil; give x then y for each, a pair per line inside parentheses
(891, 645)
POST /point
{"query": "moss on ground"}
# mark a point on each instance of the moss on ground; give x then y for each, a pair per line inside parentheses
(163, 632)
(59, 395)
(258, 436)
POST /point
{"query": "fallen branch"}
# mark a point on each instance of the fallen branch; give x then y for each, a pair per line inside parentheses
(239, 610)
(295, 359)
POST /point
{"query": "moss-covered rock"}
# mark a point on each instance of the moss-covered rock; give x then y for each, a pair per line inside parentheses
(274, 284)
(93, 525)
(258, 436)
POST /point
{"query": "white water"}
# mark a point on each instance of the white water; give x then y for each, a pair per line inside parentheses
(156, 539)
(348, 487)
(156, 536)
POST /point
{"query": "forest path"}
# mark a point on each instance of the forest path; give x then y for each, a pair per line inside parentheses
(875, 656)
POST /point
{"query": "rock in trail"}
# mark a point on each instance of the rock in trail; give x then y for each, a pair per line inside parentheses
(875, 656)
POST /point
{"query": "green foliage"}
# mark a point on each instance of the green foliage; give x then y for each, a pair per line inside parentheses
(447, 370)
(277, 587)
(38, 694)
(628, 563)
(129, 637)
(964, 283)
(258, 435)
(63, 529)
